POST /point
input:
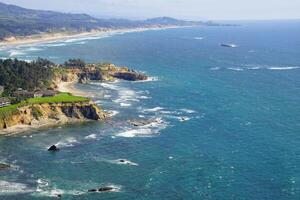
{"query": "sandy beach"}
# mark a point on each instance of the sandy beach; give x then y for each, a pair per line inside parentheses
(54, 37)
(70, 88)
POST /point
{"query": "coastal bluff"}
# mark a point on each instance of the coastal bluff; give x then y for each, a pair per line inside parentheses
(94, 72)
(44, 95)
(49, 114)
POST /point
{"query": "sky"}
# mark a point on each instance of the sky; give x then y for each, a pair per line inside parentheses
(184, 9)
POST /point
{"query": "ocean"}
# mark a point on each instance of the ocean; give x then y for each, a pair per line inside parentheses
(227, 119)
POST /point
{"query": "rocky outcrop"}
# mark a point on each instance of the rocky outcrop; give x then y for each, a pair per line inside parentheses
(53, 148)
(130, 76)
(4, 166)
(95, 72)
(103, 189)
(46, 114)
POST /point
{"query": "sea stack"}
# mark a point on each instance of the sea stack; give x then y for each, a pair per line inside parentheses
(53, 148)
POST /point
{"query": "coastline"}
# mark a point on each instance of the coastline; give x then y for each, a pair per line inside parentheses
(51, 38)
(69, 87)
(36, 125)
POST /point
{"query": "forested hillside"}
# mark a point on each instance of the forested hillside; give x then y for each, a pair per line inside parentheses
(17, 21)
(20, 74)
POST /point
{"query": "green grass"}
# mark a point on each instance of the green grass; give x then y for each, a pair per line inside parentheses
(59, 98)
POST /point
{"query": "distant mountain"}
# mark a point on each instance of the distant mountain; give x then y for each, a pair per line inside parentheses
(18, 21)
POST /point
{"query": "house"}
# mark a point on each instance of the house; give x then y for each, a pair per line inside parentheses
(49, 93)
(23, 94)
(38, 93)
(4, 102)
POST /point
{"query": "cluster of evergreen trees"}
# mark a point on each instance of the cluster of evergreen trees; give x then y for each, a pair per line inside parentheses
(16, 74)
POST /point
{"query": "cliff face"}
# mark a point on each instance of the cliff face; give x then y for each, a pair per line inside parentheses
(51, 114)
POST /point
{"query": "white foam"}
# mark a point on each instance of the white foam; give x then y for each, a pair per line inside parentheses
(67, 142)
(257, 67)
(44, 189)
(98, 102)
(13, 187)
(110, 86)
(137, 132)
(254, 68)
(149, 79)
(282, 68)
(125, 104)
(125, 162)
(236, 68)
(189, 111)
(81, 42)
(55, 45)
(33, 49)
(183, 118)
(144, 97)
(148, 130)
(153, 109)
(215, 68)
(112, 113)
(91, 136)
(198, 38)
(107, 96)
(154, 124)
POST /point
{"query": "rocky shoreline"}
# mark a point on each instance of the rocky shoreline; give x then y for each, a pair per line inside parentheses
(50, 115)
(54, 114)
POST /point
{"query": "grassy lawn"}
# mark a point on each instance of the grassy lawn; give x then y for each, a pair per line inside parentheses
(59, 98)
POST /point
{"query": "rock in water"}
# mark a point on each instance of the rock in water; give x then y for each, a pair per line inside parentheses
(105, 189)
(130, 76)
(4, 166)
(102, 189)
(53, 148)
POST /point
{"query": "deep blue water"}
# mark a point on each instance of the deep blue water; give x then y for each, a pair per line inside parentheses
(240, 140)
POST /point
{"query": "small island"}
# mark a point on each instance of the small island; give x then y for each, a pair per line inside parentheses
(36, 94)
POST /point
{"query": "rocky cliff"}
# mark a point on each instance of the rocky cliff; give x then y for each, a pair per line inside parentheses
(95, 72)
(39, 115)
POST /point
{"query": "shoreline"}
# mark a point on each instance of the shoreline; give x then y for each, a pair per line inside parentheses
(55, 37)
(36, 125)
(69, 87)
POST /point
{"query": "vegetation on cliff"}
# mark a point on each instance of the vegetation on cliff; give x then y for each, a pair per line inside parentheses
(44, 111)
(36, 76)
(20, 74)
(43, 74)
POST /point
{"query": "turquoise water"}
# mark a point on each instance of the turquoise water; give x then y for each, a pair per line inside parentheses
(229, 119)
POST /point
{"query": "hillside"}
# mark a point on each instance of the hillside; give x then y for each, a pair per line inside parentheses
(18, 21)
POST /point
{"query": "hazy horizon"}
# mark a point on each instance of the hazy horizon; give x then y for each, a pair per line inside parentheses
(184, 9)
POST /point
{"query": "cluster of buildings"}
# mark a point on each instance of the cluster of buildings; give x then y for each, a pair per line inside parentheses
(3, 100)
(21, 94)
(24, 94)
